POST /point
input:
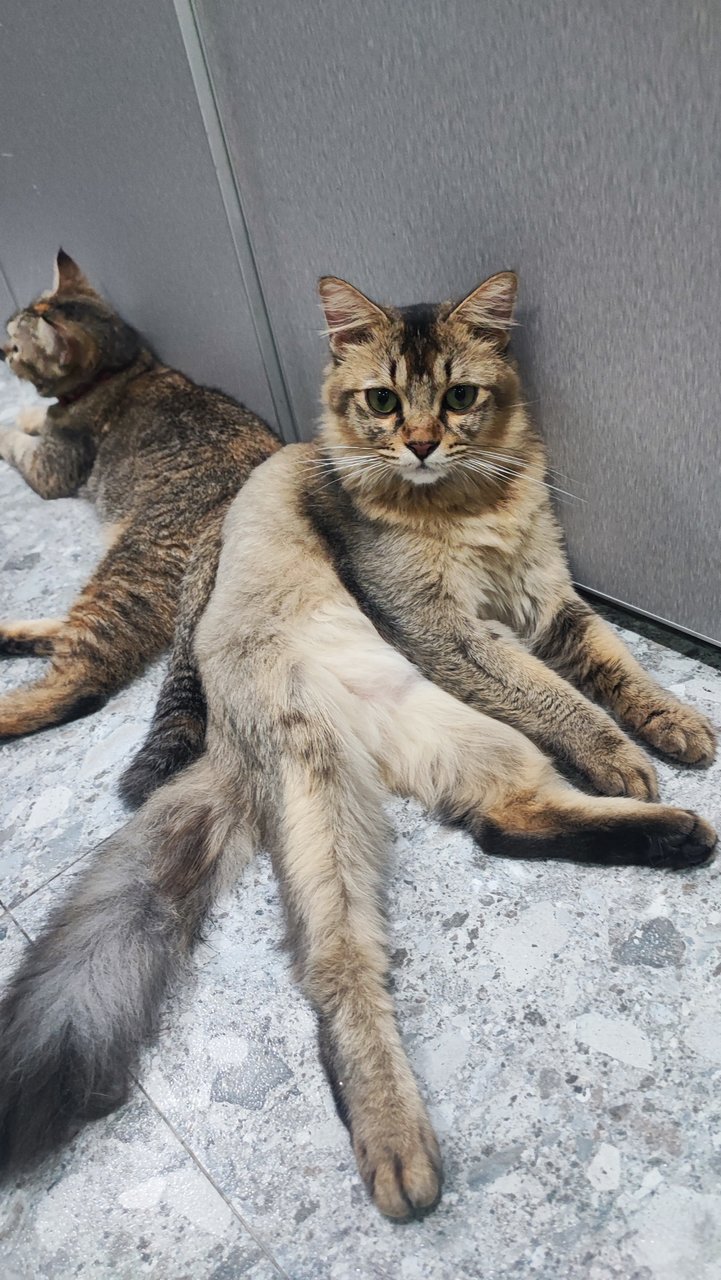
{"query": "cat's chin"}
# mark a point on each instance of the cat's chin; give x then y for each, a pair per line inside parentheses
(422, 476)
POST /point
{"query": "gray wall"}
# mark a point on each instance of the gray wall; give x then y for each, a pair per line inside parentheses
(108, 157)
(415, 147)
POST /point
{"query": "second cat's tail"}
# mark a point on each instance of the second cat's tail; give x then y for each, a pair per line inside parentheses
(177, 733)
(88, 993)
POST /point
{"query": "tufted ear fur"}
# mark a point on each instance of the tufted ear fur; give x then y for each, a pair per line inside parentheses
(348, 313)
(489, 308)
(52, 342)
(68, 278)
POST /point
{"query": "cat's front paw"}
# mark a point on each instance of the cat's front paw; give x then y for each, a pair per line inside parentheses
(30, 419)
(617, 767)
(681, 733)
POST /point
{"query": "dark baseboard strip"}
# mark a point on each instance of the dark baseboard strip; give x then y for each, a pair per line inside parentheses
(675, 638)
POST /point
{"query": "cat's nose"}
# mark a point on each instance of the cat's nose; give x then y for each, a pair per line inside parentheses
(422, 448)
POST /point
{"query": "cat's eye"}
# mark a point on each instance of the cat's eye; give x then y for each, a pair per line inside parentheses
(381, 400)
(459, 399)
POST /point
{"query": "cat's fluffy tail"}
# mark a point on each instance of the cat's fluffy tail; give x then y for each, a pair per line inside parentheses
(87, 996)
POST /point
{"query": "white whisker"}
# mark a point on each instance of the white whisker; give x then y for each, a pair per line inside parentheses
(491, 470)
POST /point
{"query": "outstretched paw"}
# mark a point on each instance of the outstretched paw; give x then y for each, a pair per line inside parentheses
(681, 733)
(31, 639)
(617, 767)
(402, 1169)
(31, 418)
(688, 842)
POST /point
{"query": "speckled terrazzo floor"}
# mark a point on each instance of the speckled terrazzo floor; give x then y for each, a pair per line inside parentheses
(564, 1023)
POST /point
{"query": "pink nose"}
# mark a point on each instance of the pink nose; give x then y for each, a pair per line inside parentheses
(421, 448)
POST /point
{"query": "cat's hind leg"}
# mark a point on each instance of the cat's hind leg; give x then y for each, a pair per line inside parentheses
(330, 856)
(122, 619)
(29, 639)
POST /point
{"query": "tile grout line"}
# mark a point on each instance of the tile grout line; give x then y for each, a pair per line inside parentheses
(20, 902)
(208, 1176)
(18, 925)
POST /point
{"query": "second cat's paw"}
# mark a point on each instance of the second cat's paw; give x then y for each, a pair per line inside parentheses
(30, 419)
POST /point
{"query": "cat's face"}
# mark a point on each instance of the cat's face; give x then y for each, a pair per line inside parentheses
(67, 335)
(416, 391)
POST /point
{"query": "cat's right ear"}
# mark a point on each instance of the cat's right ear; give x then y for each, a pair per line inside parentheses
(349, 315)
(68, 278)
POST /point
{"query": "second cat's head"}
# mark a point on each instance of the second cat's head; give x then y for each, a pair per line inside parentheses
(67, 336)
(417, 390)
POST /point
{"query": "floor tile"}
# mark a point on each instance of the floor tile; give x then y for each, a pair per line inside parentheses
(125, 1200)
(58, 788)
(562, 1022)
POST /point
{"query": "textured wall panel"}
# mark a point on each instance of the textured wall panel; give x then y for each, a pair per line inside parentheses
(103, 150)
(416, 146)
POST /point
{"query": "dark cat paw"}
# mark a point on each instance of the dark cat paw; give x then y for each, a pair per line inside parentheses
(689, 841)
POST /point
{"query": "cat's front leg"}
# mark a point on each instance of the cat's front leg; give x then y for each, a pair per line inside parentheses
(16, 447)
(30, 419)
(55, 464)
(497, 675)
(582, 647)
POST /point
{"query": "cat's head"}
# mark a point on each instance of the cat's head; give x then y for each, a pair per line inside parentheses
(417, 391)
(68, 336)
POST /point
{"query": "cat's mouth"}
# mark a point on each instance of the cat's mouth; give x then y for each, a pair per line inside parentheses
(422, 470)
(422, 474)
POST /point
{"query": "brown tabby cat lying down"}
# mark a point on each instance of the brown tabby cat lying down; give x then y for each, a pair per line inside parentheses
(392, 612)
(160, 457)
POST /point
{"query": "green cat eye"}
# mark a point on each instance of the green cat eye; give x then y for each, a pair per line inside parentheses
(460, 398)
(381, 400)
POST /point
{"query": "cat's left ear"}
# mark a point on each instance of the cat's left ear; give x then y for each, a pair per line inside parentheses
(489, 309)
(68, 278)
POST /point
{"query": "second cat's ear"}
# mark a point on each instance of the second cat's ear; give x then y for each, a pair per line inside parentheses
(488, 310)
(51, 341)
(68, 278)
(349, 315)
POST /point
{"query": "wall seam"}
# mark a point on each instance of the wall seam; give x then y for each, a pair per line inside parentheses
(8, 286)
(195, 52)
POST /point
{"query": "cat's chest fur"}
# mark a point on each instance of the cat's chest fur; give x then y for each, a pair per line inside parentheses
(477, 561)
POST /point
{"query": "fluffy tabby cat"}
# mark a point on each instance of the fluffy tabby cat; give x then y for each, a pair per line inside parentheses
(392, 612)
(160, 457)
